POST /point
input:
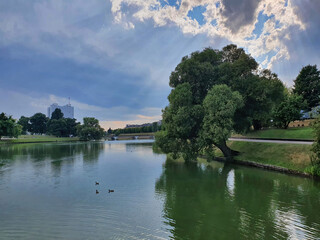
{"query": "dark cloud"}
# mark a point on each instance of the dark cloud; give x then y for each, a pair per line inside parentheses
(239, 13)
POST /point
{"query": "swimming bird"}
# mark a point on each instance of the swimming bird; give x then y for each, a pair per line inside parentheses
(97, 191)
(111, 190)
(97, 183)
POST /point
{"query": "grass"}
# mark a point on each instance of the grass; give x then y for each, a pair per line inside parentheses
(38, 138)
(304, 133)
(291, 156)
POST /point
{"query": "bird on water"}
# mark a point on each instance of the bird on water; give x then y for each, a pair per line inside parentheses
(97, 183)
(97, 191)
(111, 190)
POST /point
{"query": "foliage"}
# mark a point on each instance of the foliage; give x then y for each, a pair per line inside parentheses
(71, 126)
(63, 127)
(145, 129)
(25, 123)
(307, 84)
(9, 127)
(57, 114)
(90, 129)
(315, 157)
(287, 111)
(219, 105)
(182, 120)
(57, 127)
(233, 67)
(189, 116)
(38, 123)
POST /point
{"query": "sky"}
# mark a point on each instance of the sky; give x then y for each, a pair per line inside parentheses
(113, 58)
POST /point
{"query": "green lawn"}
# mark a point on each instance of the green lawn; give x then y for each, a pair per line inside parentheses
(304, 133)
(38, 138)
(291, 156)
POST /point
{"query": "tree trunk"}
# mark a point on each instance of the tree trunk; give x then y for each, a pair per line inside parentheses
(227, 152)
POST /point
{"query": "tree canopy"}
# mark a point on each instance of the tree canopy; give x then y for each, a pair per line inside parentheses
(25, 123)
(9, 127)
(307, 84)
(57, 114)
(288, 110)
(90, 129)
(38, 123)
(202, 84)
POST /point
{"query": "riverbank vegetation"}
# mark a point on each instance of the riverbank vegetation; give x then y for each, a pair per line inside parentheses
(151, 128)
(54, 129)
(214, 93)
(219, 92)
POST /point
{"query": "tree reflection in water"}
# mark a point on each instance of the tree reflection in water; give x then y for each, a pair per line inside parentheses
(230, 202)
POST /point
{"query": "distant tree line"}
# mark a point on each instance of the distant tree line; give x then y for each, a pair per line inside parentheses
(57, 126)
(154, 127)
(216, 92)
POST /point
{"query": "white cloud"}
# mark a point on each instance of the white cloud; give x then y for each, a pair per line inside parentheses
(232, 25)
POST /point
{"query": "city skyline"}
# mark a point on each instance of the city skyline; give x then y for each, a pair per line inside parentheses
(114, 58)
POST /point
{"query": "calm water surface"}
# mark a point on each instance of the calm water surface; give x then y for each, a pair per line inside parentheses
(47, 191)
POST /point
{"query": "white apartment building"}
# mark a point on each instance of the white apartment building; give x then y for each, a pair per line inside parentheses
(67, 110)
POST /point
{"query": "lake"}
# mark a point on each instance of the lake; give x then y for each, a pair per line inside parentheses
(48, 191)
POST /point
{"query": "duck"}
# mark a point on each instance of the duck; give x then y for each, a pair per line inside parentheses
(97, 183)
(111, 190)
(97, 191)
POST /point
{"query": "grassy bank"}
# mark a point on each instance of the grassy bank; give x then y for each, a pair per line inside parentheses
(292, 156)
(38, 138)
(304, 133)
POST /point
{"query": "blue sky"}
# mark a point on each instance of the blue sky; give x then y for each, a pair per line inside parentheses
(114, 58)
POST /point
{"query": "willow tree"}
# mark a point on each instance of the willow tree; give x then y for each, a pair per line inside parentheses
(192, 79)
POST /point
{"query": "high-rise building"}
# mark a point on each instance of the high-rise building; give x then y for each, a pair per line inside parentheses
(67, 110)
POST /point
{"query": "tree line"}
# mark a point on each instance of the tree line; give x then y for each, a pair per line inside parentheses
(57, 126)
(216, 92)
(154, 127)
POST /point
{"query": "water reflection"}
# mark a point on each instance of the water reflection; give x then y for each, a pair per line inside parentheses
(58, 156)
(229, 202)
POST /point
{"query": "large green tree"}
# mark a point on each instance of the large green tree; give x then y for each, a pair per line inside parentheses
(307, 84)
(9, 127)
(90, 129)
(25, 123)
(38, 123)
(197, 74)
(62, 127)
(238, 70)
(57, 127)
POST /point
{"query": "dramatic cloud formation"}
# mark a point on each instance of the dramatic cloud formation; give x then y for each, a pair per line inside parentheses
(114, 58)
(259, 26)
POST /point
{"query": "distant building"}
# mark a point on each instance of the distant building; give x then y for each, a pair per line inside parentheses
(67, 110)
